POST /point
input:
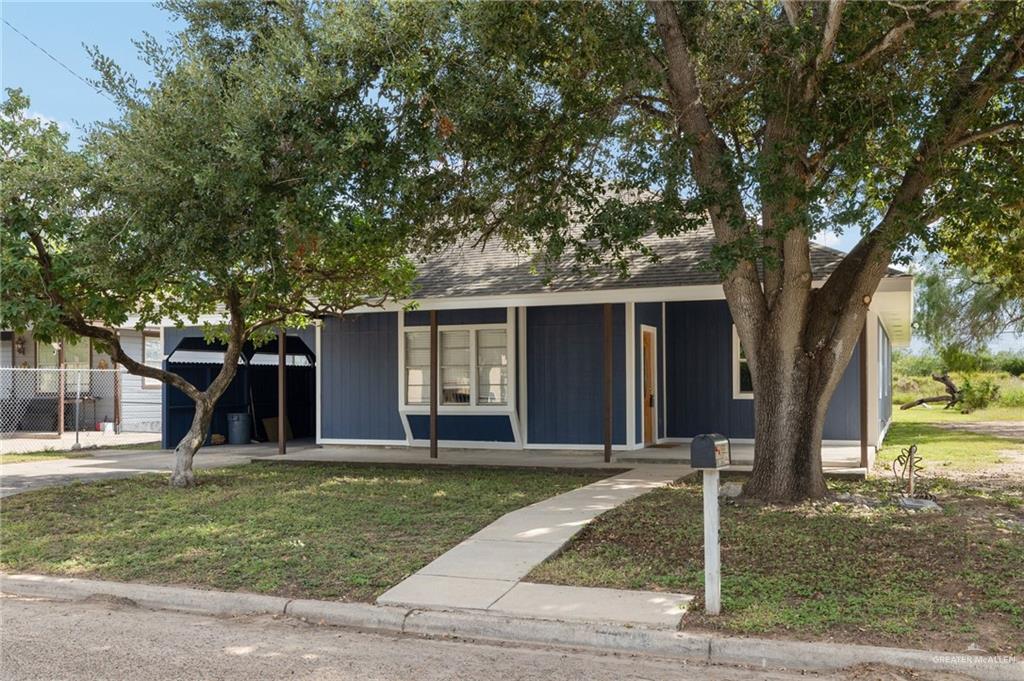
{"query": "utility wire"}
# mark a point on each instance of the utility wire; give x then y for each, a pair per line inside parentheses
(62, 64)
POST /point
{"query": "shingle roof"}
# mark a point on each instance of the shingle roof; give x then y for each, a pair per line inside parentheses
(494, 269)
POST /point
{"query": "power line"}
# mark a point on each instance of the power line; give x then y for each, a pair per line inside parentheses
(58, 61)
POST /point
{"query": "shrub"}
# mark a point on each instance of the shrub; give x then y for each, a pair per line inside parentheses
(977, 394)
(1012, 398)
(1010, 363)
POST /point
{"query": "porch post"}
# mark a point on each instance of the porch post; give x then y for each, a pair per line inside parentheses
(607, 382)
(864, 395)
(282, 447)
(434, 387)
(117, 397)
(60, 388)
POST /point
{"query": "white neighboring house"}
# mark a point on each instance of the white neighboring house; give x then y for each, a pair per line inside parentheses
(26, 383)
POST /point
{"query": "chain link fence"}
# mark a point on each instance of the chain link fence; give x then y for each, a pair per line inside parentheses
(52, 400)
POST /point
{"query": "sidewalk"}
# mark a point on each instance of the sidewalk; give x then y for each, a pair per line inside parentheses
(485, 572)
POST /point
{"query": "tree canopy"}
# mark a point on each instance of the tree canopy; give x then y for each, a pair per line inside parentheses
(578, 128)
(254, 182)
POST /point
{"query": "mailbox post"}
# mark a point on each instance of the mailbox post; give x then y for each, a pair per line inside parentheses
(709, 453)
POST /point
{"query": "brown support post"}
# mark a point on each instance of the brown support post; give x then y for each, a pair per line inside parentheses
(282, 407)
(864, 396)
(607, 382)
(117, 399)
(434, 386)
(60, 389)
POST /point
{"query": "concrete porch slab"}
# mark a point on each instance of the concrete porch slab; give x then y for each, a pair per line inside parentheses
(650, 608)
(421, 590)
(490, 559)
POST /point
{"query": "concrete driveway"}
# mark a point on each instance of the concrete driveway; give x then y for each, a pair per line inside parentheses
(21, 477)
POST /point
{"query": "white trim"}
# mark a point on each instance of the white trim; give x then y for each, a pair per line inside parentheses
(457, 409)
(579, 447)
(631, 373)
(356, 441)
(516, 434)
(401, 358)
(523, 408)
(653, 330)
(468, 444)
(319, 383)
(511, 394)
(737, 394)
(750, 441)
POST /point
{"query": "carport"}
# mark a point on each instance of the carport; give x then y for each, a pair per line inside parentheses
(274, 377)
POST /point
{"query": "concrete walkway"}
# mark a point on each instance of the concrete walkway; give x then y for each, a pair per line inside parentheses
(485, 572)
(66, 442)
(21, 477)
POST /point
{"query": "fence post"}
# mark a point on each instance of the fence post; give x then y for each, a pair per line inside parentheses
(60, 389)
(117, 400)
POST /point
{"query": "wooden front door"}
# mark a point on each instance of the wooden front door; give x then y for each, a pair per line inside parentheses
(648, 410)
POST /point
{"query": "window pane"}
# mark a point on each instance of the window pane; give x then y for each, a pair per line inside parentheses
(746, 382)
(492, 366)
(454, 367)
(417, 367)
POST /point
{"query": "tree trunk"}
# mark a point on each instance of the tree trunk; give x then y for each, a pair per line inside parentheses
(798, 361)
(789, 419)
(182, 475)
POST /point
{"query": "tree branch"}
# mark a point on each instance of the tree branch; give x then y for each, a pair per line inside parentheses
(895, 34)
(988, 132)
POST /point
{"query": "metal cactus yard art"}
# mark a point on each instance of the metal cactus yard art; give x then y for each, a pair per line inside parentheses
(905, 468)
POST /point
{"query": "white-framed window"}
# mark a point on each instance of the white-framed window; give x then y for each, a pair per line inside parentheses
(473, 366)
(77, 359)
(492, 366)
(417, 367)
(454, 364)
(742, 381)
(152, 356)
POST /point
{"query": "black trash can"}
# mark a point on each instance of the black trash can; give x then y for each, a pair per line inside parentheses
(239, 429)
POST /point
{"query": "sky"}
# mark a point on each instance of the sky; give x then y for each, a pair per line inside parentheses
(64, 29)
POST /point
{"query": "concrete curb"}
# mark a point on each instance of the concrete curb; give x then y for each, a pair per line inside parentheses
(473, 624)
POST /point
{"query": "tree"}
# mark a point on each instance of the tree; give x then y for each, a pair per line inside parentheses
(580, 127)
(253, 181)
(959, 312)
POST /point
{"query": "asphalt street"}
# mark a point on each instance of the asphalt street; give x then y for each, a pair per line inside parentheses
(100, 639)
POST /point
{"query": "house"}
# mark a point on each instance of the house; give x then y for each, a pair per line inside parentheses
(522, 360)
(29, 383)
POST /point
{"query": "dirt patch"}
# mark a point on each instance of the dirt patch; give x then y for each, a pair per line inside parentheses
(1007, 475)
(1013, 430)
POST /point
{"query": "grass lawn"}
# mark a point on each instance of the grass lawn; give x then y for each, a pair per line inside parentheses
(52, 454)
(336, 532)
(839, 571)
(950, 452)
(936, 414)
(823, 571)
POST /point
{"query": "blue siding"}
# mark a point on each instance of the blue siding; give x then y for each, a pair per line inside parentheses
(842, 421)
(564, 348)
(649, 314)
(464, 427)
(488, 315)
(699, 368)
(359, 377)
